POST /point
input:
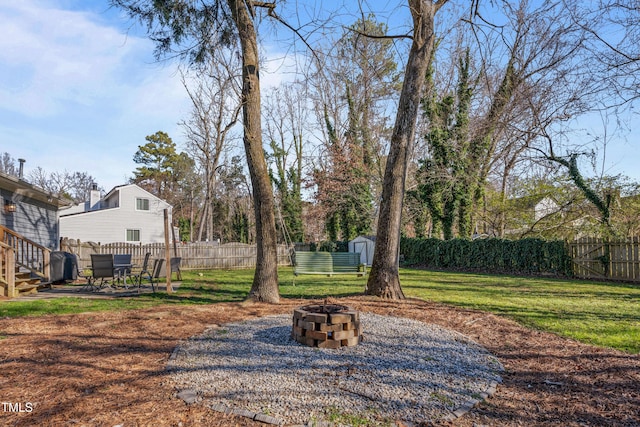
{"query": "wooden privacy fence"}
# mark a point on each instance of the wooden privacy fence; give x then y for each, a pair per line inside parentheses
(591, 258)
(602, 259)
(195, 256)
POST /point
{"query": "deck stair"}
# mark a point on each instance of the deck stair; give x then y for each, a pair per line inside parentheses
(24, 264)
(26, 284)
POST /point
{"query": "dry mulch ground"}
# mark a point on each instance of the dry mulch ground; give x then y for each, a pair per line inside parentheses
(107, 369)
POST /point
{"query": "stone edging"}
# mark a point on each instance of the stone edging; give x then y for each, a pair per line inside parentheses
(468, 406)
(190, 397)
(248, 414)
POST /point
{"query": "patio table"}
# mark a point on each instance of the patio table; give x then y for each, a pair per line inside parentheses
(122, 267)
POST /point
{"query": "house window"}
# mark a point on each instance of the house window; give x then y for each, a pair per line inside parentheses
(142, 204)
(133, 235)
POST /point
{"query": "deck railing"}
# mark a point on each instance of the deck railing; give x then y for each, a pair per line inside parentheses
(7, 271)
(27, 254)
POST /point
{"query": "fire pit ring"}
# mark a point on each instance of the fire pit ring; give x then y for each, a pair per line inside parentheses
(326, 326)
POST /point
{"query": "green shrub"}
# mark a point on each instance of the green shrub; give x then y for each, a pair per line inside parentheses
(525, 256)
(332, 246)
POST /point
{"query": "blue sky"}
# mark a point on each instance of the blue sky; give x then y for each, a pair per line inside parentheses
(80, 90)
(77, 92)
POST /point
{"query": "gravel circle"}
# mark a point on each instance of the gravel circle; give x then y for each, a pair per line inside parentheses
(403, 370)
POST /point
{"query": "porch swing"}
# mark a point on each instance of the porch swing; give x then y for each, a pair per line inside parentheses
(320, 263)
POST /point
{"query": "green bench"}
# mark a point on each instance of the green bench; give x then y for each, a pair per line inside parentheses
(328, 263)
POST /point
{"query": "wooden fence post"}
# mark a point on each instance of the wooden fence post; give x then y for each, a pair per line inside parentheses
(10, 269)
(167, 251)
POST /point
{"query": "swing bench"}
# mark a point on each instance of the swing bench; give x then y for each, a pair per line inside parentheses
(328, 263)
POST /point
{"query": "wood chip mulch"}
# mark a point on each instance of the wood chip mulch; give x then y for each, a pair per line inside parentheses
(108, 369)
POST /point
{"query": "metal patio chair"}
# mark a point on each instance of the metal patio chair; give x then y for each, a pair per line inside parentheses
(175, 267)
(144, 271)
(102, 269)
(157, 268)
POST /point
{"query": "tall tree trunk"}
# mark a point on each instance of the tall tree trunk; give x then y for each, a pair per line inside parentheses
(384, 280)
(265, 279)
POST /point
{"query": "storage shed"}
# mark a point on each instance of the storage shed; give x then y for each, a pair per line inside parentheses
(366, 245)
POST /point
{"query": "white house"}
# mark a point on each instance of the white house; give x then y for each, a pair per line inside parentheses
(366, 245)
(127, 213)
(545, 206)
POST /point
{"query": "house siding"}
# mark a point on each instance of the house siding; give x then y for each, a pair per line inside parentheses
(110, 225)
(545, 207)
(35, 220)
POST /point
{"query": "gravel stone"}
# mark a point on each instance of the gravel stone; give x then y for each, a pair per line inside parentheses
(404, 370)
(189, 396)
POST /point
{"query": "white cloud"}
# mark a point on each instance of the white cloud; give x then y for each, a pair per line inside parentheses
(77, 93)
(62, 58)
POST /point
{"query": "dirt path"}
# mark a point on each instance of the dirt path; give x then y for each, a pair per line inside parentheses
(107, 369)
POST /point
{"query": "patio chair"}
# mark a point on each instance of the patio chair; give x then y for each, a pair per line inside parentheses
(101, 268)
(175, 267)
(144, 271)
(80, 273)
(157, 268)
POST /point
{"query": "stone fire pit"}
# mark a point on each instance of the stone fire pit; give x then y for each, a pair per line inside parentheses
(326, 326)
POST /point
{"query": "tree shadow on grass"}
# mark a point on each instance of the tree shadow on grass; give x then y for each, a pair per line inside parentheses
(202, 297)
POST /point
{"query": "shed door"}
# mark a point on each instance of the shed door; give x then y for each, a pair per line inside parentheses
(364, 254)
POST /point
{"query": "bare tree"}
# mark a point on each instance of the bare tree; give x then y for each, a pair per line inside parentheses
(75, 186)
(530, 68)
(287, 115)
(8, 164)
(555, 81)
(613, 28)
(353, 92)
(215, 109)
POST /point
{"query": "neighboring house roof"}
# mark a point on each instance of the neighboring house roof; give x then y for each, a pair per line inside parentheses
(111, 200)
(117, 217)
(34, 211)
(539, 205)
(123, 186)
(20, 187)
(529, 201)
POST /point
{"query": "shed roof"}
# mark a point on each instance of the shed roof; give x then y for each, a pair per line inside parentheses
(370, 237)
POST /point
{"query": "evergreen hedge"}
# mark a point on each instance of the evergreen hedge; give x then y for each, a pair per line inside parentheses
(330, 246)
(525, 256)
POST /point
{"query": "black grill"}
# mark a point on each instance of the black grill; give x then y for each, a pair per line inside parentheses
(63, 267)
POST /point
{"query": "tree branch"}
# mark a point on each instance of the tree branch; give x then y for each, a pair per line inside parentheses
(373, 36)
(272, 13)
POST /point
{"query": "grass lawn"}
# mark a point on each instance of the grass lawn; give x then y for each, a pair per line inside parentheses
(605, 314)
